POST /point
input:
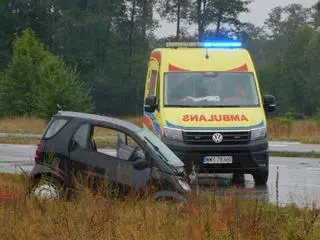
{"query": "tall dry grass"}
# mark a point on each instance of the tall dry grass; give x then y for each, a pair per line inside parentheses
(94, 217)
(307, 131)
(22, 125)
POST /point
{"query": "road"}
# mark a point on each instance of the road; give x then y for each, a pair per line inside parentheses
(299, 178)
(276, 146)
(282, 146)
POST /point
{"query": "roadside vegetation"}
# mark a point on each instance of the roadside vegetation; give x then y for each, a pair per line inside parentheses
(285, 128)
(70, 53)
(94, 217)
(306, 131)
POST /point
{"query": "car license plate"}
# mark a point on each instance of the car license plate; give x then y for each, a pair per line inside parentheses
(217, 160)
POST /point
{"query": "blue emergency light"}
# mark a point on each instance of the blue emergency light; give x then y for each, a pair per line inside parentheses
(211, 44)
(231, 44)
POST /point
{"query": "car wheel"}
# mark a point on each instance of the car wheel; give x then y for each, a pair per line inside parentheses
(261, 177)
(47, 189)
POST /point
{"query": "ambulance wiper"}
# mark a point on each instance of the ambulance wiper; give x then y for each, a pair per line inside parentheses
(181, 106)
(228, 106)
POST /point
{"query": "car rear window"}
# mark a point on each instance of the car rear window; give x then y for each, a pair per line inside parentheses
(54, 126)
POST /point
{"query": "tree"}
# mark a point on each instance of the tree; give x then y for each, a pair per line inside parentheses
(175, 11)
(295, 81)
(37, 80)
(283, 66)
(216, 13)
(284, 21)
(315, 13)
(312, 73)
(9, 25)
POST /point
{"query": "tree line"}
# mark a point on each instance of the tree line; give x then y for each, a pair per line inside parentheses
(92, 55)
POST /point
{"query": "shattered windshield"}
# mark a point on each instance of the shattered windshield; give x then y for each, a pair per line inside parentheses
(210, 89)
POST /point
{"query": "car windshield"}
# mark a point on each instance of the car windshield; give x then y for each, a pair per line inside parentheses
(165, 153)
(210, 89)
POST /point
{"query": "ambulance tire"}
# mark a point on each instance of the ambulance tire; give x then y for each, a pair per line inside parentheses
(261, 177)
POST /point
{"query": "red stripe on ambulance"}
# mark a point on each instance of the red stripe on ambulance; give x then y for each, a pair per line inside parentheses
(156, 55)
(243, 68)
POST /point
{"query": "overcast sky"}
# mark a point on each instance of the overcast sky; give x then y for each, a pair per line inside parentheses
(259, 10)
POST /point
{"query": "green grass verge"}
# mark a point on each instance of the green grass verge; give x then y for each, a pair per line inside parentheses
(296, 154)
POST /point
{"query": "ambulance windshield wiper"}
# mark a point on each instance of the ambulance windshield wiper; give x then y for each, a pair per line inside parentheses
(181, 106)
(217, 106)
(228, 106)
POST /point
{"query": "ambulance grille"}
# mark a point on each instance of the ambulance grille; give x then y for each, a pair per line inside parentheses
(205, 138)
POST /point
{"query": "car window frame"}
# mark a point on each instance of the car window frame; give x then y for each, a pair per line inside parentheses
(131, 134)
(76, 130)
(52, 120)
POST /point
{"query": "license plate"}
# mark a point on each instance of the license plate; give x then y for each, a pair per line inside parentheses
(217, 160)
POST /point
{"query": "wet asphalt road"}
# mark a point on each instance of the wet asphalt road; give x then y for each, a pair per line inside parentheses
(299, 178)
(283, 146)
(277, 146)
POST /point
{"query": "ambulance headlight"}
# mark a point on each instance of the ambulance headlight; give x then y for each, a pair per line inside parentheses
(258, 133)
(173, 133)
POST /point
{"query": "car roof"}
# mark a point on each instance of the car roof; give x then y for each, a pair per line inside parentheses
(100, 118)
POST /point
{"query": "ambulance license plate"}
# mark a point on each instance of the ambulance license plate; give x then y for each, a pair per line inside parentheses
(217, 160)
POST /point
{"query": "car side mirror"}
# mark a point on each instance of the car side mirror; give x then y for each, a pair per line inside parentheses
(150, 104)
(269, 103)
(140, 164)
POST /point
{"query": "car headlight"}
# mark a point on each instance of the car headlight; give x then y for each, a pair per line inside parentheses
(184, 185)
(258, 133)
(171, 133)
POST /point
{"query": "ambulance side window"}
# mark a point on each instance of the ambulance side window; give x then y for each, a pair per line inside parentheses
(158, 91)
(153, 78)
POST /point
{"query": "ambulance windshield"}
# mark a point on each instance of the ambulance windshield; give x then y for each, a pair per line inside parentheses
(210, 89)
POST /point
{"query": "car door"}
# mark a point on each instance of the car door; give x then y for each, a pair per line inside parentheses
(118, 144)
(125, 147)
(82, 155)
(102, 162)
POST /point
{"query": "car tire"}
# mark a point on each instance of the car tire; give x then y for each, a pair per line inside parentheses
(261, 177)
(47, 189)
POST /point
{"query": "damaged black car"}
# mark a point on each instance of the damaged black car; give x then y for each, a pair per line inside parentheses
(129, 157)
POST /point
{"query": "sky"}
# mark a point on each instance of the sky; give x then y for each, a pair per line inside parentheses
(259, 10)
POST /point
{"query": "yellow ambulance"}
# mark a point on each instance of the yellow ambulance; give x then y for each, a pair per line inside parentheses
(203, 100)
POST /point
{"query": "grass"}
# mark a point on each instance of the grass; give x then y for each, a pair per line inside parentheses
(306, 131)
(296, 154)
(19, 140)
(95, 217)
(22, 125)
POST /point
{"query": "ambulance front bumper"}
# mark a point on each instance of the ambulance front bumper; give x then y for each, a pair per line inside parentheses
(246, 158)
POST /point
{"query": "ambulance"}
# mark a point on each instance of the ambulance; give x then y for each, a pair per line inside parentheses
(203, 100)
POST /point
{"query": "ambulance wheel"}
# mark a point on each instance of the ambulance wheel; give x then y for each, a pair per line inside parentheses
(238, 178)
(261, 177)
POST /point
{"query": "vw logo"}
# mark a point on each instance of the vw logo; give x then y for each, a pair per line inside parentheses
(217, 137)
